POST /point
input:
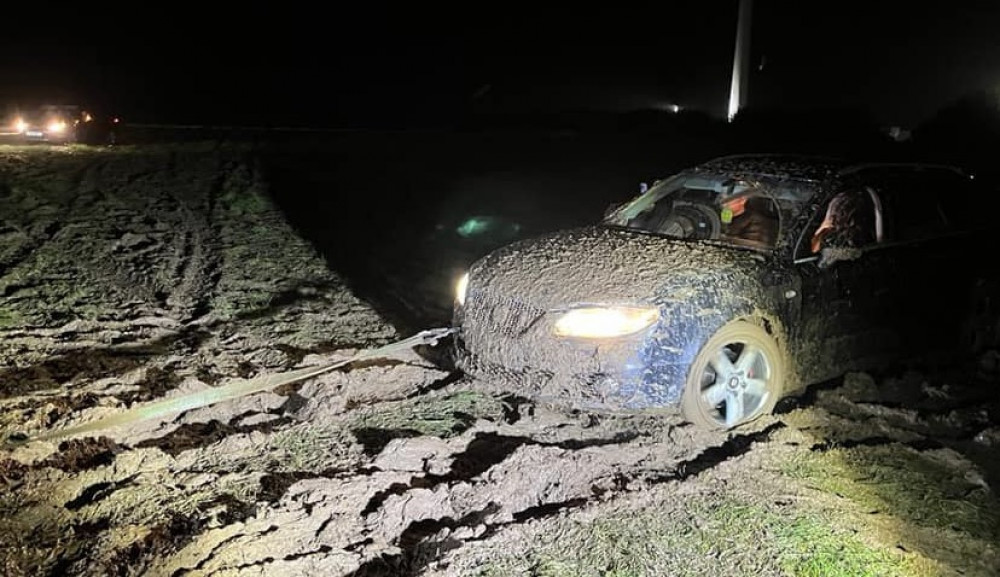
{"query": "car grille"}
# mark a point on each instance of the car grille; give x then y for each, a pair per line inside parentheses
(507, 316)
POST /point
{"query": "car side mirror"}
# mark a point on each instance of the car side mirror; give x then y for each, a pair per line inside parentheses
(831, 255)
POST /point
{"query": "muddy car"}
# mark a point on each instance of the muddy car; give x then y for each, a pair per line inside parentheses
(730, 285)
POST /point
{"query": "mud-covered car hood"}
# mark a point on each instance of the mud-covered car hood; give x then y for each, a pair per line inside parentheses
(610, 266)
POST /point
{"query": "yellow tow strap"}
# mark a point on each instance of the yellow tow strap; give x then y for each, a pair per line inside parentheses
(231, 390)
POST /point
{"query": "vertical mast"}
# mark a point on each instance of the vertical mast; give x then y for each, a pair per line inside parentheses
(741, 60)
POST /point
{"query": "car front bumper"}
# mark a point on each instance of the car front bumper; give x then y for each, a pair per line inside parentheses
(511, 344)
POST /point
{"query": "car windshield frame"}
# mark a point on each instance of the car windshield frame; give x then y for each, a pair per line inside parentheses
(716, 194)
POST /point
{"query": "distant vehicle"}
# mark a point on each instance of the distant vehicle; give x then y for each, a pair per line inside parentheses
(732, 284)
(62, 124)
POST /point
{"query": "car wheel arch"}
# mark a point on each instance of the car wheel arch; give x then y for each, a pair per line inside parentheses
(780, 332)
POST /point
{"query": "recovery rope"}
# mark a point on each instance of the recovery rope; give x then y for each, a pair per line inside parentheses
(232, 390)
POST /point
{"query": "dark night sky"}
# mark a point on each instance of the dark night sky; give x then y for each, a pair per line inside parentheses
(292, 64)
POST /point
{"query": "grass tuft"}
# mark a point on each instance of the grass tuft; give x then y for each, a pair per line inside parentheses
(713, 536)
(438, 416)
(910, 485)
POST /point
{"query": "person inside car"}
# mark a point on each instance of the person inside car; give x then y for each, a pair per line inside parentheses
(849, 222)
(751, 218)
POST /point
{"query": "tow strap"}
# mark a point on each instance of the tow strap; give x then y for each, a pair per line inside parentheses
(232, 390)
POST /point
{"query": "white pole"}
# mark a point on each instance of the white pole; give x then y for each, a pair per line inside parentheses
(741, 60)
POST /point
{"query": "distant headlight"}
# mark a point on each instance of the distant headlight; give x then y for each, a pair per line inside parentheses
(461, 287)
(56, 126)
(605, 322)
(20, 125)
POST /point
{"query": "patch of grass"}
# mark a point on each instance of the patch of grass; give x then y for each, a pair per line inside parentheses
(243, 202)
(905, 483)
(438, 416)
(815, 551)
(714, 537)
(303, 447)
(309, 447)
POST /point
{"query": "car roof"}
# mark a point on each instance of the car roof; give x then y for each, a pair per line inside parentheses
(810, 168)
(784, 166)
(900, 167)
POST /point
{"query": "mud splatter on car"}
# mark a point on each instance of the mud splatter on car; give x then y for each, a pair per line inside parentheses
(726, 287)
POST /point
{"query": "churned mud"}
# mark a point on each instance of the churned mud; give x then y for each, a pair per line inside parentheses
(129, 275)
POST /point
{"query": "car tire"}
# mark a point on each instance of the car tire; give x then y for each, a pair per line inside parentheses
(737, 376)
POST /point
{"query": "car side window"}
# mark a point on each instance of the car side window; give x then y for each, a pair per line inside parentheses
(924, 204)
(912, 217)
(851, 219)
(962, 202)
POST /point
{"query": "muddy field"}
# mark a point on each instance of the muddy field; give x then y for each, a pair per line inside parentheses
(132, 274)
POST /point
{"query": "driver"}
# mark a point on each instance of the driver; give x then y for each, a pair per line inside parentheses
(751, 218)
(849, 222)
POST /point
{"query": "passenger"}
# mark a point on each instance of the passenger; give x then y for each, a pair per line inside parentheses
(754, 219)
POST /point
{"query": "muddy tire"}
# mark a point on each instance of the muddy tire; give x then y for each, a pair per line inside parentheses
(736, 377)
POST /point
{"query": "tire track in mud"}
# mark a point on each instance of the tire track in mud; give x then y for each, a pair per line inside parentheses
(40, 221)
(140, 242)
(98, 503)
(164, 246)
(196, 268)
(104, 226)
(153, 230)
(114, 230)
(491, 459)
(423, 494)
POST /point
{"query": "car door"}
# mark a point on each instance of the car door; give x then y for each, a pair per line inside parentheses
(847, 287)
(931, 216)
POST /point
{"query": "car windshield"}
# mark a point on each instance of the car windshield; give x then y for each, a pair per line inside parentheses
(698, 206)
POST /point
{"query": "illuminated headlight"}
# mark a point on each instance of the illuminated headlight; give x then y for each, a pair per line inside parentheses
(461, 287)
(56, 126)
(20, 125)
(605, 322)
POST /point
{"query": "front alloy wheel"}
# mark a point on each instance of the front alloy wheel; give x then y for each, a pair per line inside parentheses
(735, 378)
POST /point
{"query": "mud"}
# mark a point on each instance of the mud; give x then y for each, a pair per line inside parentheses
(132, 275)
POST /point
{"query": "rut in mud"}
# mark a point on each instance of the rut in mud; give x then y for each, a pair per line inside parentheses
(131, 275)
